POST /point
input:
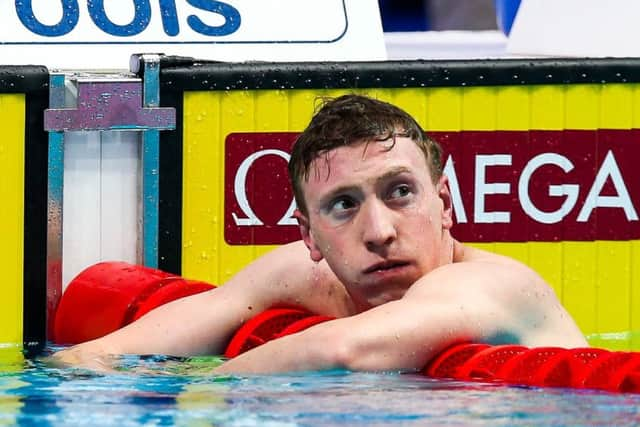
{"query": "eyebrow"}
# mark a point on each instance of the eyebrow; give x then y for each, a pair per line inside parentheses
(391, 173)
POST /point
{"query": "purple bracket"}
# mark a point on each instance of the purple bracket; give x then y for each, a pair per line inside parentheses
(109, 105)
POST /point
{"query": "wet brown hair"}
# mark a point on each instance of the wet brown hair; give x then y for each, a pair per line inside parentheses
(354, 119)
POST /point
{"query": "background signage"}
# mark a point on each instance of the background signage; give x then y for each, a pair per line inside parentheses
(507, 186)
(71, 33)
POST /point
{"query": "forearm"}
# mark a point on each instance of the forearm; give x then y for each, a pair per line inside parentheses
(201, 324)
(399, 336)
(309, 350)
(204, 323)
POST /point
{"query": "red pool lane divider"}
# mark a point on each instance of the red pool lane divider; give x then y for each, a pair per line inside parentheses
(269, 325)
(589, 368)
(263, 327)
(109, 295)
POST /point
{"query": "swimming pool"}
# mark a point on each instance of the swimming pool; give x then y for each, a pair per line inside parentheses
(169, 391)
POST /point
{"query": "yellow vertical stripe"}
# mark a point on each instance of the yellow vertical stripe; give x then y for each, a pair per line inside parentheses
(202, 177)
(546, 109)
(635, 105)
(546, 259)
(479, 112)
(512, 112)
(479, 108)
(513, 108)
(634, 308)
(578, 284)
(414, 102)
(271, 113)
(444, 109)
(301, 107)
(613, 293)
(243, 109)
(634, 311)
(582, 106)
(12, 122)
(579, 288)
(613, 279)
(616, 106)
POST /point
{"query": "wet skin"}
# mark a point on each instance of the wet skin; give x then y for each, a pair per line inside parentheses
(377, 218)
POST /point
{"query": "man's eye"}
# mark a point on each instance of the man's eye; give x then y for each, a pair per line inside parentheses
(342, 205)
(400, 192)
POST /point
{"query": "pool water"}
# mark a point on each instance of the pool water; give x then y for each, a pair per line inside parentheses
(159, 391)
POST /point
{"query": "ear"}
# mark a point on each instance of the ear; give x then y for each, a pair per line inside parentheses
(307, 236)
(447, 204)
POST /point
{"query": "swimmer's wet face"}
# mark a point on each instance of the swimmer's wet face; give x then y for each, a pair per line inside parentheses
(377, 217)
(350, 120)
(372, 198)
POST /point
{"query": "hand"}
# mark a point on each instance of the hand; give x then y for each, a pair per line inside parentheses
(79, 357)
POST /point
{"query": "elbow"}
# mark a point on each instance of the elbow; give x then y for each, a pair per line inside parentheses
(338, 348)
(357, 354)
(346, 347)
(366, 352)
(346, 355)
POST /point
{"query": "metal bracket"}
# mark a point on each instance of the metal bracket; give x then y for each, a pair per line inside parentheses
(151, 162)
(108, 102)
(109, 105)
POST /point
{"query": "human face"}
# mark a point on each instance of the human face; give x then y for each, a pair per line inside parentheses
(377, 218)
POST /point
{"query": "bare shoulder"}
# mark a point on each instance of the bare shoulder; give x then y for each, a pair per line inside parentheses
(288, 276)
(474, 270)
(506, 296)
(464, 253)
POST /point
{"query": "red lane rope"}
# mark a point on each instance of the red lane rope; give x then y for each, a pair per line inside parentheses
(109, 295)
(592, 368)
(262, 328)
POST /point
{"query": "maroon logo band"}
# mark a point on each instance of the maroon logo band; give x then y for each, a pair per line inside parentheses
(507, 186)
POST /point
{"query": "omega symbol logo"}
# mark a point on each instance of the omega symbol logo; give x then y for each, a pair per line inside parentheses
(240, 190)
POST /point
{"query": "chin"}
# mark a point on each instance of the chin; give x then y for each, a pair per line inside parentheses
(379, 292)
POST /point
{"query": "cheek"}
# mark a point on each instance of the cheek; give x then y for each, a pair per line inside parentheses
(425, 216)
(422, 228)
(327, 240)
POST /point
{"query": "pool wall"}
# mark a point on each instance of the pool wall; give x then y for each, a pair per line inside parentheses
(541, 155)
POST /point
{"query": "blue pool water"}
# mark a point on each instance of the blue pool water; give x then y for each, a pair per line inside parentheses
(161, 391)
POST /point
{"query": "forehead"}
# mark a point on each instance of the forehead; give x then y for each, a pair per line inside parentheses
(347, 165)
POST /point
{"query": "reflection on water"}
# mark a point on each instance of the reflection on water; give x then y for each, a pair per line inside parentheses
(170, 391)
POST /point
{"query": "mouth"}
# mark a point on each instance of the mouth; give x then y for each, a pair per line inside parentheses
(384, 266)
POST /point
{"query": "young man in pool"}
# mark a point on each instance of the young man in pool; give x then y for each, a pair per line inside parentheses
(377, 253)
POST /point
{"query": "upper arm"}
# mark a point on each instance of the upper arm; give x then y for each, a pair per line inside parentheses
(407, 333)
(466, 302)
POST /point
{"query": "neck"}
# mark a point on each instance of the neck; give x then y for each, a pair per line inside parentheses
(458, 251)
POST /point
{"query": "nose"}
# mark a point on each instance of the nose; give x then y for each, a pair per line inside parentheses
(378, 227)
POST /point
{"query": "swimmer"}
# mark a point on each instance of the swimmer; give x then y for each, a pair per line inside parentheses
(377, 252)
